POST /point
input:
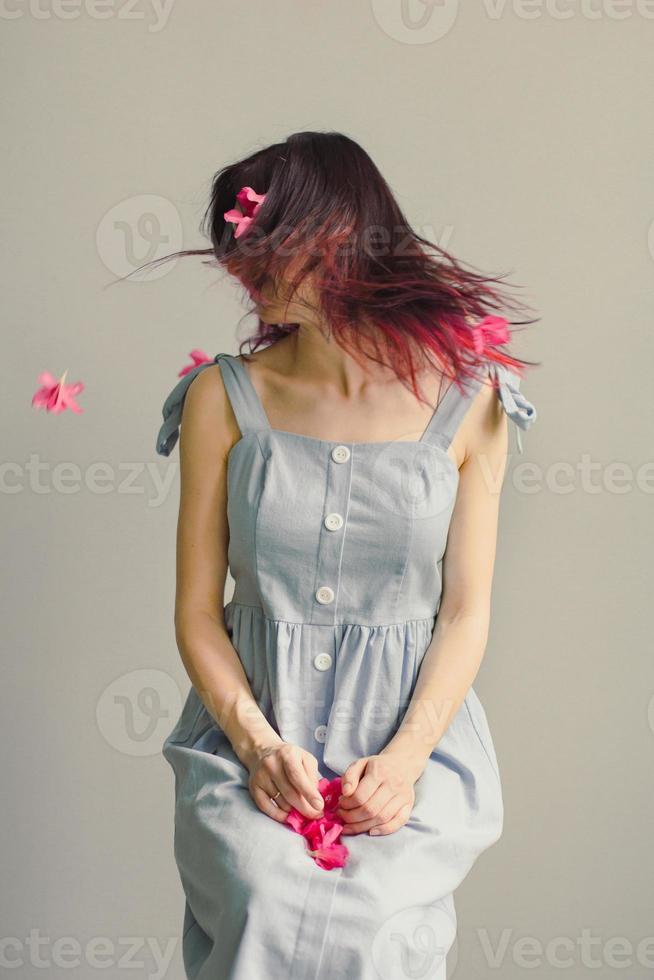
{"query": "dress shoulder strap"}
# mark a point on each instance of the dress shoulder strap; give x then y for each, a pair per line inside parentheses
(454, 404)
(449, 412)
(242, 395)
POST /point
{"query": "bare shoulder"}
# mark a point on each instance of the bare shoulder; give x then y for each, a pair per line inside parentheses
(208, 422)
(484, 429)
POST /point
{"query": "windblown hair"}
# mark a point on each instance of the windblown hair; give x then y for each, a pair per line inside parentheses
(328, 212)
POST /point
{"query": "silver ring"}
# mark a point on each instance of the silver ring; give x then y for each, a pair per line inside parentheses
(273, 798)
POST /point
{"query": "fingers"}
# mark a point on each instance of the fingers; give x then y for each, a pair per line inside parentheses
(273, 791)
(390, 819)
(303, 785)
(363, 792)
(264, 802)
(285, 770)
(394, 824)
(374, 809)
(352, 775)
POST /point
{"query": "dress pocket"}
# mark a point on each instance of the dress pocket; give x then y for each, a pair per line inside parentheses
(189, 720)
(479, 723)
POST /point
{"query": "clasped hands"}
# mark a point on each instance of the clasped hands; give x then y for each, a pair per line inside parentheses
(378, 791)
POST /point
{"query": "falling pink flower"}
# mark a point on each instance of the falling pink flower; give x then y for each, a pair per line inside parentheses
(56, 396)
(250, 203)
(489, 332)
(322, 834)
(197, 357)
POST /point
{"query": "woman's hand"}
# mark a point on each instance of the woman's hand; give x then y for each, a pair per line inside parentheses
(292, 772)
(378, 793)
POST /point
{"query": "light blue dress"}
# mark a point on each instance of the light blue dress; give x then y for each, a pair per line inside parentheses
(335, 550)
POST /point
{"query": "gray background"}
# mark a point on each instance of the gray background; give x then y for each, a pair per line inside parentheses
(521, 139)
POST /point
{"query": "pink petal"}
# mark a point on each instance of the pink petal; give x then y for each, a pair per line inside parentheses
(242, 226)
(247, 197)
(489, 332)
(56, 396)
(197, 357)
(296, 820)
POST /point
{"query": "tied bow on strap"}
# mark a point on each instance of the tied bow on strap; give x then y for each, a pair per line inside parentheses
(172, 408)
(514, 403)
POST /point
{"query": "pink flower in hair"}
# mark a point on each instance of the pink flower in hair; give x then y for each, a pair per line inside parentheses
(56, 396)
(250, 202)
(489, 332)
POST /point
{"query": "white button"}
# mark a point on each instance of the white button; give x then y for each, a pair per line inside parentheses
(320, 733)
(340, 454)
(322, 661)
(325, 594)
(333, 522)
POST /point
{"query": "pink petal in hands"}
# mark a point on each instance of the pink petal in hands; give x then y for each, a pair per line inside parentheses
(322, 834)
(325, 847)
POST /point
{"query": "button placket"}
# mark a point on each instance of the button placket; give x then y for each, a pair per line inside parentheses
(320, 733)
(332, 535)
(340, 454)
(333, 522)
(319, 682)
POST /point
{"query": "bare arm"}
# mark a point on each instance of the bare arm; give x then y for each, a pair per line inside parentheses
(207, 433)
(212, 663)
(458, 643)
(378, 791)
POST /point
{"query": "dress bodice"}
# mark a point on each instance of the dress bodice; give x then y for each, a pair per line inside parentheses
(328, 533)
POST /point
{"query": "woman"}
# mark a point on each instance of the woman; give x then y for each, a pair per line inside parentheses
(328, 469)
